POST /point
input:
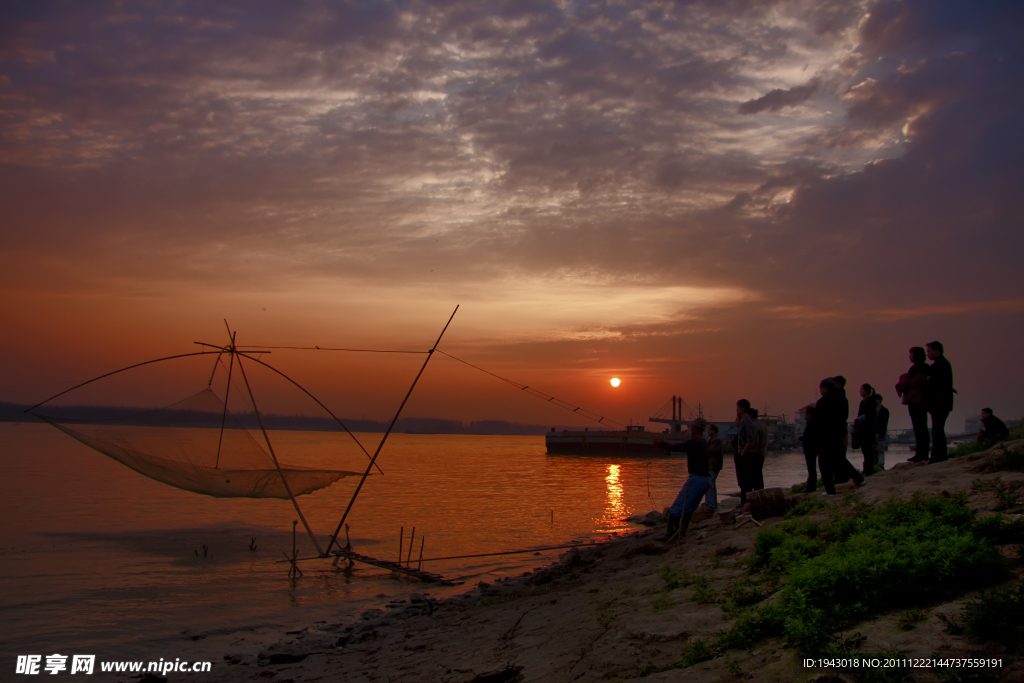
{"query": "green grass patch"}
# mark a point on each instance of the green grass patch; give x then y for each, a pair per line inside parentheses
(845, 569)
(695, 652)
(674, 578)
(995, 615)
(806, 506)
(967, 449)
(704, 593)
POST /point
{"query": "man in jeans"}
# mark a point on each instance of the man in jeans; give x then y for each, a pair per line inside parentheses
(938, 391)
(698, 483)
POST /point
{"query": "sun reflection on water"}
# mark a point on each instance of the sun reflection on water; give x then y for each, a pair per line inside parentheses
(614, 508)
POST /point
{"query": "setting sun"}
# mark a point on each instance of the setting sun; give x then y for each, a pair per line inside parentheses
(615, 381)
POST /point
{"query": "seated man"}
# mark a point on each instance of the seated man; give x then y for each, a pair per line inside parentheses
(992, 428)
(698, 483)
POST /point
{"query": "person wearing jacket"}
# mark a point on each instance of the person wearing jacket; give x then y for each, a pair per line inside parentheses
(866, 425)
(830, 427)
(911, 389)
(938, 394)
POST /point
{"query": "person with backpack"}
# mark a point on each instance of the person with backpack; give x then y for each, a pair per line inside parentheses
(910, 388)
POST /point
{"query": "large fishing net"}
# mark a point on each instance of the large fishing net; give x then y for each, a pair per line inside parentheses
(196, 445)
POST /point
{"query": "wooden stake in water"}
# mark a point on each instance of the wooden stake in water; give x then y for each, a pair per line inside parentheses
(419, 565)
(412, 539)
(401, 542)
(294, 572)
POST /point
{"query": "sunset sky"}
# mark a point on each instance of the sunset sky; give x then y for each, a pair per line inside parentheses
(715, 199)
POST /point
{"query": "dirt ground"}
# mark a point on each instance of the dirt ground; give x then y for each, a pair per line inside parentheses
(603, 613)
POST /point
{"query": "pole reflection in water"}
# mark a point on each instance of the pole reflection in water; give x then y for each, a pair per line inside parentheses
(614, 508)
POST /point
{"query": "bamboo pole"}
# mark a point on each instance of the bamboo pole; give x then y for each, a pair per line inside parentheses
(277, 464)
(412, 540)
(137, 365)
(401, 539)
(227, 392)
(419, 565)
(373, 460)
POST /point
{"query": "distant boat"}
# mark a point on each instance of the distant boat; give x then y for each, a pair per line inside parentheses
(634, 440)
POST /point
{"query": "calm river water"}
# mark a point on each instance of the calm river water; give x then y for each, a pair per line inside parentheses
(97, 559)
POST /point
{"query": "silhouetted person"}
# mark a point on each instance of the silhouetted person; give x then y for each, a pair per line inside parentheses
(992, 428)
(830, 413)
(866, 425)
(881, 429)
(716, 460)
(746, 432)
(698, 483)
(911, 389)
(811, 450)
(938, 392)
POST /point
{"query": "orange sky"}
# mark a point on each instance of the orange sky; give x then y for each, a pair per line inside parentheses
(700, 201)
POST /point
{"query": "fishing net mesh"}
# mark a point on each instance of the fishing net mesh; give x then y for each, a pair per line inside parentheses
(183, 445)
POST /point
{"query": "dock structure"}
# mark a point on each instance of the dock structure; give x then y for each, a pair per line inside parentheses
(394, 566)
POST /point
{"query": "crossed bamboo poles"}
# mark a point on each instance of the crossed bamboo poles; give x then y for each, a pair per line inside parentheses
(234, 352)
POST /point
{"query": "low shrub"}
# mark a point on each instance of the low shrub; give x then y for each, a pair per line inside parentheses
(843, 570)
(806, 506)
(695, 652)
(998, 616)
(674, 578)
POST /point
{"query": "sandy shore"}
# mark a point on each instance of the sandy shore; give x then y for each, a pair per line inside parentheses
(603, 613)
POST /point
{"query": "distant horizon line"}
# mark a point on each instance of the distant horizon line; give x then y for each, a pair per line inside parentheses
(15, 412)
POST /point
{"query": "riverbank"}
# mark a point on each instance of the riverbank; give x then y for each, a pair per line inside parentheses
(641, 608)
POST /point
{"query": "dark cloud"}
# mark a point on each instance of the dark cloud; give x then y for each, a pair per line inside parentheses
(779, 99)
(524, 137)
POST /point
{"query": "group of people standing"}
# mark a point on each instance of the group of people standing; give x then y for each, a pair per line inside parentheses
(924, 389)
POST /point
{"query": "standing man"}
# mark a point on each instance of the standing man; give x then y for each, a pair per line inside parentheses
(746, 434)
(698, 483)
(939, 398)
(716, 459)
(882, 429)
